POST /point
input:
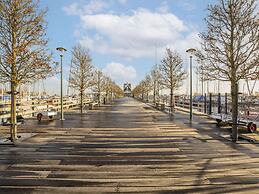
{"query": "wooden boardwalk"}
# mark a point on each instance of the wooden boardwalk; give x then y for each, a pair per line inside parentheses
(128, 148)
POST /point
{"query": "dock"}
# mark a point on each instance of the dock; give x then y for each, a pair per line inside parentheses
(128, 147)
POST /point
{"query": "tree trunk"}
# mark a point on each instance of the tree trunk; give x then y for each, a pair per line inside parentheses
(99, 98)
(99, 89)
(158, 93)
(154, 93)
(81, 102)
(13, 129)
(234, 97)
(171, 100)
(106, 97)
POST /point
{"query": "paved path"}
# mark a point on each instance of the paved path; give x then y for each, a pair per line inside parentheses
(128, 148)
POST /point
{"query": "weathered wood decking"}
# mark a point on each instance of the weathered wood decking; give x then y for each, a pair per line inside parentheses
(128, 147)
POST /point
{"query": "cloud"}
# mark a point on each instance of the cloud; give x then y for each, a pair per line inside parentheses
(72, 9)
(133, 35)
(187, 5)
(94, 6)
(120, 72)
(123, 2)
(164, 7)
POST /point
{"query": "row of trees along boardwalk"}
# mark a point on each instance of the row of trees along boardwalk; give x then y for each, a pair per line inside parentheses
(83, 76)
(229, 51)
(25, 57)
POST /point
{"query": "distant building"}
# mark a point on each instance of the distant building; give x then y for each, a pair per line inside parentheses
(127, 90)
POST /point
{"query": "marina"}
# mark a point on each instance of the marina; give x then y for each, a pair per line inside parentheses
(129, 96)
(216, 107)
(33, 106)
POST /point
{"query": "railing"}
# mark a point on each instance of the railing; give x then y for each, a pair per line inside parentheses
(30, 108)
(211, 108)
(198, 106)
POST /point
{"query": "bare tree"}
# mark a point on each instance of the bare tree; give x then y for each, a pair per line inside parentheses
(230, 46)
(156, 82)
(99, 84)
(23, 53)
(151, 81)
(112, 90)
(117, 91)
(147, 83)
(172, 73)
(81, 71)
(138, 91)
(200, 69)
(142, 87)
(107, 88)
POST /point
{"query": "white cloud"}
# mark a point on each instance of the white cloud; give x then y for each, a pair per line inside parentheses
(72, 9)
(120, 72)
(94, 6)
(124, 2)
(132, 36)
(164, 8)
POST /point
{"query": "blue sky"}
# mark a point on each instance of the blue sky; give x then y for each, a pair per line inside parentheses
(123, 35)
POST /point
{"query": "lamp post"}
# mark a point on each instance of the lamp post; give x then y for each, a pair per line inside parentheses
(61, 50)
(191, 51)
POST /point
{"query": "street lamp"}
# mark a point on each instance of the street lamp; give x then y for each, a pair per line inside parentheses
(61, 51)
(191, 51)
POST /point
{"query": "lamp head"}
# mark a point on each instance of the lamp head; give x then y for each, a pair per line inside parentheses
(191, 51)
(61, 50)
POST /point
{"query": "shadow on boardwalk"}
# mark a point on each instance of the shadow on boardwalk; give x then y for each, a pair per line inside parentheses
(128, 148)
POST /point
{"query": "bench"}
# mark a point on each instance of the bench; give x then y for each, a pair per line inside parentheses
(160, 106)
